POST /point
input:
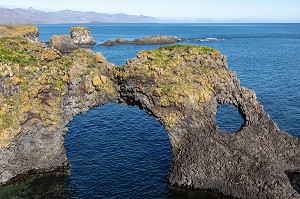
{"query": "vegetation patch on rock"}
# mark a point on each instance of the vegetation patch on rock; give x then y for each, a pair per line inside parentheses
(33, 80)
(180, 76)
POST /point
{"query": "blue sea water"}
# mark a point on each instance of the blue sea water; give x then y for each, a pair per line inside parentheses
(121, 152)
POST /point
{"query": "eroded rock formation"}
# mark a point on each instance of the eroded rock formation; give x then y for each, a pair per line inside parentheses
(181, 86)
(63, 43)
(82, 35)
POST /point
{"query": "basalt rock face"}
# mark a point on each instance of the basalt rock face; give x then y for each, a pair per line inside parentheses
(181, 86)
(82, 35)
(63, 43)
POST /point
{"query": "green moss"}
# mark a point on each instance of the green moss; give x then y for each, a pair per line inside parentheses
(42, 76)
(181, 75)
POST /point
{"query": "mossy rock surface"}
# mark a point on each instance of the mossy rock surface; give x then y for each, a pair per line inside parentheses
(33, 81)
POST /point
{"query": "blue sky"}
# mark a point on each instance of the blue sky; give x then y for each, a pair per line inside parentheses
(254, 10)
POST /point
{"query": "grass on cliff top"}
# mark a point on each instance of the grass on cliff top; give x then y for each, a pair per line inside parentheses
(16, 30)
(33, 80)
(183, 76)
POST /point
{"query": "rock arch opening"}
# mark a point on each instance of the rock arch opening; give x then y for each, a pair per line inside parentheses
(117, 150)
(229, 118)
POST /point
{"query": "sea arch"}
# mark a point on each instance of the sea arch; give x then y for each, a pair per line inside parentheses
(181, 86)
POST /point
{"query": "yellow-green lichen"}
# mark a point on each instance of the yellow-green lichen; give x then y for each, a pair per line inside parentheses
(16, 30)
(33, 80)
(182, 76)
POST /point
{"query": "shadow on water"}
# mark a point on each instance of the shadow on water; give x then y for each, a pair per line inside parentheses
(52, 185)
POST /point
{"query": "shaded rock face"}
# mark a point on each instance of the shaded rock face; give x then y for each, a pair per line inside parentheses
(63, 43)
(182, 86)
(82, 35)
(32, 36)
(157, 39)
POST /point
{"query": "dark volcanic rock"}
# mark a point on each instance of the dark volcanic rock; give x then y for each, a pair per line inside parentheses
(82, 36)
(157, 39)
(63, 43)
(116, 42)
(181, 86)
(121, 41)
(110, 43)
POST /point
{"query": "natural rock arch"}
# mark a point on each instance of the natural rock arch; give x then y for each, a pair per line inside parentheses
(230, 118)
(181, 86)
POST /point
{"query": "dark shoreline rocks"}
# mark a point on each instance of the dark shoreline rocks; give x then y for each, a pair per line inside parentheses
(157, 39)
(181, 86)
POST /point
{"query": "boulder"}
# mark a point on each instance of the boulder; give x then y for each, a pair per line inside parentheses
(82, 36)
(121, 40)
(110, 43)
(63, 43)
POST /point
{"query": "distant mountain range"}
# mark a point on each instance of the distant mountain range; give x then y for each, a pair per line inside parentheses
(30, 15)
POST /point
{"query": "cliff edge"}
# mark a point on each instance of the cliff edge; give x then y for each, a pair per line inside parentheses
(42, 90)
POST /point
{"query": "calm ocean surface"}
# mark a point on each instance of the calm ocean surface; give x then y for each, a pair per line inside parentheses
(121, 152)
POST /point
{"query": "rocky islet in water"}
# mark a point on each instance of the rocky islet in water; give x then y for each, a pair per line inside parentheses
(182, 86)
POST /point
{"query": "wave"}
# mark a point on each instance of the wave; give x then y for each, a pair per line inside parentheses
(203, 39)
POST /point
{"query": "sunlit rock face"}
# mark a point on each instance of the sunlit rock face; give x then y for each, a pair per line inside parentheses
(42, 90)
(82, 35)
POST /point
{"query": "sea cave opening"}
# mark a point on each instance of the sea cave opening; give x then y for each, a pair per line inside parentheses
(229, 118)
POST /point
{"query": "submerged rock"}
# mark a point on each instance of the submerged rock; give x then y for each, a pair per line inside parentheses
(181, 86)
(63, 43)
(82, 35)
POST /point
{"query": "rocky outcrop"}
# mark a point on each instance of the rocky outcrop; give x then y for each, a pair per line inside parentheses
(157, 39)
(82, 35)
(63, 43)
(28, 31)
(181, 86)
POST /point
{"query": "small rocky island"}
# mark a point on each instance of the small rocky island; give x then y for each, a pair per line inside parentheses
(157, 39)
(41, 90)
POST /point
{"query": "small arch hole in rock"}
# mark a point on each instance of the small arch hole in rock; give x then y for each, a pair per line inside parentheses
(229, 118)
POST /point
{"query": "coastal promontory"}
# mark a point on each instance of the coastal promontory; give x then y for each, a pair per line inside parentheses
(41, 90)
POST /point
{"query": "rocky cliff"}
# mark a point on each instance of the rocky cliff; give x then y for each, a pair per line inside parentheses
(82, 35)
(28, 31)
(182, 86)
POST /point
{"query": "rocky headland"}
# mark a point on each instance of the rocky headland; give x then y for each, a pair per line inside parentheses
(41, 90)
(156, 39)
(28, 31)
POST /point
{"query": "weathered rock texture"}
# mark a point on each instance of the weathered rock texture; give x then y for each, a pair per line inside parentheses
(157, 39)
(181, 86)
(82, 35)
(63, 43)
